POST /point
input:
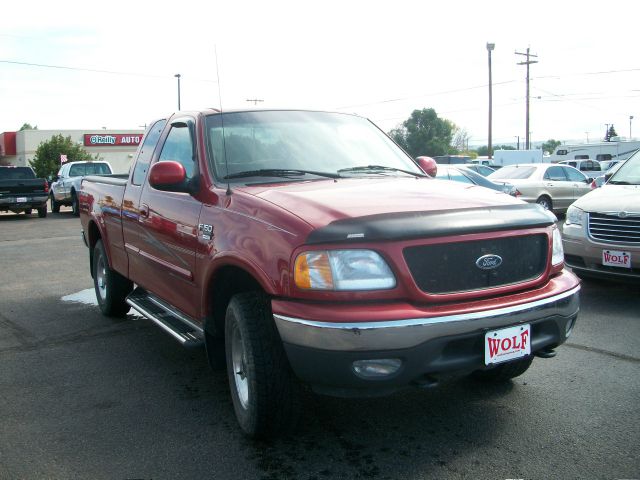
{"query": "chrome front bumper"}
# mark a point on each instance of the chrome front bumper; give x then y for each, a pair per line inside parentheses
(408, 333)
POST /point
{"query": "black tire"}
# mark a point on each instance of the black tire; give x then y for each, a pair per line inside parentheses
(504, 372)
(42, 212)
(545, 202)
(111, 287)
(55, 206)
(75, 206)
(267, 397)
(28, 211)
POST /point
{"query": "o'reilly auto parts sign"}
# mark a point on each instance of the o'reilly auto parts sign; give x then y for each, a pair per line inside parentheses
(112, 140)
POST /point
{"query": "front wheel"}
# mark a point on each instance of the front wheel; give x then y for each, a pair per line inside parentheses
(111, 287)
(265, 393)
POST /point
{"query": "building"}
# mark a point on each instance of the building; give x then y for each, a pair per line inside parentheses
(114, 146)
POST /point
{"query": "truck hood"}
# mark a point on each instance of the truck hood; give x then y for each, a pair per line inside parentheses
(611, 198)
(322, 202)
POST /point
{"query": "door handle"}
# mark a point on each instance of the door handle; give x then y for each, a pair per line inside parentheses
(144, 211)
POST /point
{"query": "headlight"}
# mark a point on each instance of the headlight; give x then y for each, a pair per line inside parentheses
(557, 256)
(575, 216)
(343, 270)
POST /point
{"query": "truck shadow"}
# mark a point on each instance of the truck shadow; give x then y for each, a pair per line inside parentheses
(408, 435)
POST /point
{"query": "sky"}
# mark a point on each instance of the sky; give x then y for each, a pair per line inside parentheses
(88, 65)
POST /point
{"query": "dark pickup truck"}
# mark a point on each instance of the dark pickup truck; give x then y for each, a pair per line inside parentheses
(21, 191)
(307, 250)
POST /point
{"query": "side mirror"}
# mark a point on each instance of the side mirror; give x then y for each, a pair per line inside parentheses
(169, 176)
(428, 165)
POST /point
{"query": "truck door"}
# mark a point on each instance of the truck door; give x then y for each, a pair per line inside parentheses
(166, 246)
(132, 224)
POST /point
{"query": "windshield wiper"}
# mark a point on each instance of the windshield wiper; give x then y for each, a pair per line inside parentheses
(279, 172)
(378, 168)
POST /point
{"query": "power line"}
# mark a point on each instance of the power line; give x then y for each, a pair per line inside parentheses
(91, 70)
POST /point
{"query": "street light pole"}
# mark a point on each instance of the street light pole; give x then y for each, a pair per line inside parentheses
(490, 47)
(177, 75)
(630, 118)
(518, 137)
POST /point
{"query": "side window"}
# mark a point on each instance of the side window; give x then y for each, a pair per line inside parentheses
(459, 177)
(148, 146)
(178, 147)
(581, 157)
(562, 152)
(555, 173)
(574, 175)
(584, 166)
(603, 156)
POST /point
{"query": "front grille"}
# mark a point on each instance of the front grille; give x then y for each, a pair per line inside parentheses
(612, 228)
(451, 267)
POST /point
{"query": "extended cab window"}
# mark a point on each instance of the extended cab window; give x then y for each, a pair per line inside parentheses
(179, 148)
(146, 151)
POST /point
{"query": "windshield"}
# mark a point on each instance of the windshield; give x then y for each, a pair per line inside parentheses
(16, 173)
(628, 173)
(512, 173)
(259, 144)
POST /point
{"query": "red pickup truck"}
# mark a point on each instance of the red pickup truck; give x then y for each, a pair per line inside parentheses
(307, 250)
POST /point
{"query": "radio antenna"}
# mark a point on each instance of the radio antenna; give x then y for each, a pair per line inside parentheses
(224, 143)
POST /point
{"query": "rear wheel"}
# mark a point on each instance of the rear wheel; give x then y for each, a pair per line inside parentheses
(505, 371)
(42, 212)
(55, 206)
(265, 393)
(111, 287)
(75, 206)
(545, 202)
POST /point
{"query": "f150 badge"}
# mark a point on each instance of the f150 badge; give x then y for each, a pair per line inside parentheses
(206, 230)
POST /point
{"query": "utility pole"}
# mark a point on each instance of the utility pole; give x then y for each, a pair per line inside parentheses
(527, 63)
(490, 47)
(177, 75)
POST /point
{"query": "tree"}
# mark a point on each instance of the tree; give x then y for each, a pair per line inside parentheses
(610, 134)
(47, 159)
(423, 133)
(460, 139)
(27, 126)
(550, 145)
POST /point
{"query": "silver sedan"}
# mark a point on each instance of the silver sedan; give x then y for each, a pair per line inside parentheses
(552, 186)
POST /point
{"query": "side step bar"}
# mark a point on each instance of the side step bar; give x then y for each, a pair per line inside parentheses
(176, 324)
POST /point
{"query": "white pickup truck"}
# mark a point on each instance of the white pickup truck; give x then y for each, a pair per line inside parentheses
(67, 182)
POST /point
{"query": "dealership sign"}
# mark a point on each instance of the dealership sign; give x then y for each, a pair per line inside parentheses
(111, 140)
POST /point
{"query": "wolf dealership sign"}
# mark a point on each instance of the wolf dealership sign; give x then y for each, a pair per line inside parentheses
(112, 140)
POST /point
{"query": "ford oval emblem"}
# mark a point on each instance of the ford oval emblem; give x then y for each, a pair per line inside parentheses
(489, 262)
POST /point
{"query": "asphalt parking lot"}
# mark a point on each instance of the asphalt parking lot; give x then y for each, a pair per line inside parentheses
(83, 396)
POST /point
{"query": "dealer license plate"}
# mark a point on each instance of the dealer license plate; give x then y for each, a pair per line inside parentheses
(616, 258)
(21, 199)
(507, 344)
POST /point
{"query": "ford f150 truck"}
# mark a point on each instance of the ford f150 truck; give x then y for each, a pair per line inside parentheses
(307, 250)
(66, 184)
(21, 191)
